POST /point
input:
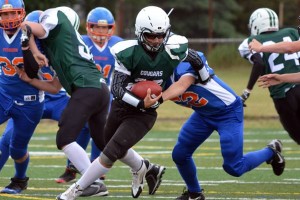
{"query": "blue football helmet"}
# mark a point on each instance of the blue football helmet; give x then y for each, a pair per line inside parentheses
(100, 16)
(33, 16)
(16, 9)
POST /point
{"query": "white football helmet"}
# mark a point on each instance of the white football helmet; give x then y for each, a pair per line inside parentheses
(152, 20)
(72, 16)
(263, 20)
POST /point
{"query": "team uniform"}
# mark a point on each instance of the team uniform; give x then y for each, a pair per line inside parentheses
(132, 125)
(216, 108)
(105, 63)
(81, 79)
(286, 96)
(19, 101)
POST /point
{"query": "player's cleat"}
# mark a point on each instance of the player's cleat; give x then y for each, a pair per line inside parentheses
(68, 176)
(71, 193)
(96, 189)
(16, 186)
(278, 161)
(186, 195)
(153, 177)
(139, 179)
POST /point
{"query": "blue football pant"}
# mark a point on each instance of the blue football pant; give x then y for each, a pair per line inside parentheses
(230, 129)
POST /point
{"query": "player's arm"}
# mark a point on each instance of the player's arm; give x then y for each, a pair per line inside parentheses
(119, 91)
(179, 87)
(196, 62)
(280, 47)
(34, 29)
(275, 79)
(52, 86)
(258, 69)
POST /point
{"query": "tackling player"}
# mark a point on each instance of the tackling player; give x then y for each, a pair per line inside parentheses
(77, 72)
(263, 24)
(100, 26)
(216, 108)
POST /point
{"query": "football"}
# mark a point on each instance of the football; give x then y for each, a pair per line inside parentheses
(140, 89)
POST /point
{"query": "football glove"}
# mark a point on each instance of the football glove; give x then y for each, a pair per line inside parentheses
(26, 34)
(245, 95)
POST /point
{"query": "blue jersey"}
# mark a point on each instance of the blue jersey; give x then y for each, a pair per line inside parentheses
(209, 99)
(103, 58)
(11, 86)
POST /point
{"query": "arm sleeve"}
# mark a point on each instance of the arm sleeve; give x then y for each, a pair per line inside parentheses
(119, 91)
(31, 67)
(257, 70)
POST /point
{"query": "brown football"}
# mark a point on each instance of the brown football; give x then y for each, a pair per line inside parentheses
(140, 89)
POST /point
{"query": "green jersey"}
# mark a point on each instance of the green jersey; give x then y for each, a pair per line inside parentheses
(133, 60)
(67, 52)
(279, 63)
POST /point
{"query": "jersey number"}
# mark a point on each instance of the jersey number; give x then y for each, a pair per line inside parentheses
(8, 68)
(273, 56)
(191, 99)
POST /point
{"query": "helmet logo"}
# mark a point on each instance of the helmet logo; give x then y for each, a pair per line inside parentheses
(102, 22)
(7, 6)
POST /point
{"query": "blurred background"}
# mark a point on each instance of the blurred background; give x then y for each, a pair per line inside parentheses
(206, 23)
(215, 27)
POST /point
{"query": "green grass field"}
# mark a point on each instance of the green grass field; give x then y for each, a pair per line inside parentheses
(261, 126)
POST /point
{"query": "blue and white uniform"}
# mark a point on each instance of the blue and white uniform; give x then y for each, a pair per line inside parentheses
(18, 100)
(216, 108)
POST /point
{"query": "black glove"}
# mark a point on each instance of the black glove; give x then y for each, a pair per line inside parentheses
(196, 62)
(245, 95)
(26, 34)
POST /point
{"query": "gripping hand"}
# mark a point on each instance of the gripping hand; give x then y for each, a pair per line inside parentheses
(26, 34)
(245, 95)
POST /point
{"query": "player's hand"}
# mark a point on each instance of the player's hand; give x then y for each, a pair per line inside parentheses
(255, 45)
(41, 59)
(22, 75)
(268, 80)
(244, 96)
(26, 34)
(151, 102)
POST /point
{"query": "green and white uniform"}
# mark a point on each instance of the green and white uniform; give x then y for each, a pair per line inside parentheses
(67, 52)
(276, 63)
(286, 96)
(78, 74)
(127, 124)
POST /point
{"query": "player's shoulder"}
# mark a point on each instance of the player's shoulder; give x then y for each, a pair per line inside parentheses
(116, 38)
(125, 45)
(177, 46)
(177, 39)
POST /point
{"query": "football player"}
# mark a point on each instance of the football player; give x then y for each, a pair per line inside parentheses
(19, 100)
(100, 26)
(216, 108)
(263, 24)
(78, 74)
(152, 56)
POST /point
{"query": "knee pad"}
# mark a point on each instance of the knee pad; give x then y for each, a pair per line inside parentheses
(16, 153)
(115, 151)
(106, 160)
